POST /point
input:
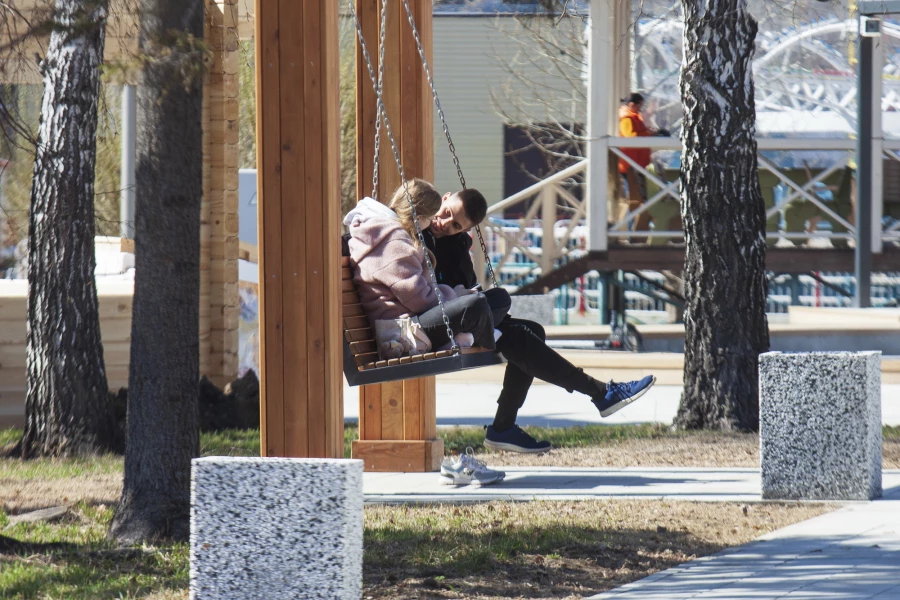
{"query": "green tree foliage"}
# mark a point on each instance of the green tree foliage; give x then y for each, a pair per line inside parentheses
(18, 149)
(247, 107)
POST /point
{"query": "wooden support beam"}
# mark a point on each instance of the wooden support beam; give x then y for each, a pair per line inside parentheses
(299, 228)
(397, 425)
(219, 303)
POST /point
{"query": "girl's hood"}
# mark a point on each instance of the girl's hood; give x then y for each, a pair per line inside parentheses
(370, 222)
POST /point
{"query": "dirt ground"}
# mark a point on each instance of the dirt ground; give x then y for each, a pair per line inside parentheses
(705, 449)
(506, 550)
(551, 549)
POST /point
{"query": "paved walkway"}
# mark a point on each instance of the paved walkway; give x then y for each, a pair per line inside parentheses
(558, 483)
(474, 404)
(852, 553)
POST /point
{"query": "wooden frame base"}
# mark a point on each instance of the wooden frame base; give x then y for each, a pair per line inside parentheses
(399, 456)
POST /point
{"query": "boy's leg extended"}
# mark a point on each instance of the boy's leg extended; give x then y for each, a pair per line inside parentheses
(527, 350)
(529, 357)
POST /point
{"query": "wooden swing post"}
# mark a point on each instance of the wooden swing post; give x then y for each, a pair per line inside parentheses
(298, 161)
(397, 423)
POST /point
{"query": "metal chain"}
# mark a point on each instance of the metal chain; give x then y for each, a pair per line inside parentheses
(387, 127)
(379, 105)
(437, 103)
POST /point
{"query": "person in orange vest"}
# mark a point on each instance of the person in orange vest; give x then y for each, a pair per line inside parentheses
(631, 124)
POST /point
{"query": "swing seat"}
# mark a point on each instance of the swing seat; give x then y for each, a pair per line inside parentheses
(361, 363)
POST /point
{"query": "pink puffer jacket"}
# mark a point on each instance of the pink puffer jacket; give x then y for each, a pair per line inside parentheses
(390, 273)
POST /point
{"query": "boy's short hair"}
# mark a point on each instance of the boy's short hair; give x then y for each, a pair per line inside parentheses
(634, 98)
(474, 204)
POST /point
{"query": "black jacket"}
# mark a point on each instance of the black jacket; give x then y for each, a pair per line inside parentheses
(454, 263)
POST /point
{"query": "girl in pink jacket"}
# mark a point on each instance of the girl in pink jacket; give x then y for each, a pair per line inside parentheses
(391, 274)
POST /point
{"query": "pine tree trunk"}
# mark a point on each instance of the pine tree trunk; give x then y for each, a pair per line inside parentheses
(67, 406)
(163, 432)
(724, 220)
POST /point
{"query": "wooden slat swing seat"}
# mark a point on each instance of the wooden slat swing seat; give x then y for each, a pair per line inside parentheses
(361, 362)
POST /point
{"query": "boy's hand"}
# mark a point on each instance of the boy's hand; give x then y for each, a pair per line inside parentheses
(461, 290)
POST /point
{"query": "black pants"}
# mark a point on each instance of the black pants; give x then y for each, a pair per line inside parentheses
(521, 343)
(467, 314)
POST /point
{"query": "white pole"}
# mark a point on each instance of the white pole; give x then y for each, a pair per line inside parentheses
(598, 110)
(129, 129)
(877, 167)
(548, 220)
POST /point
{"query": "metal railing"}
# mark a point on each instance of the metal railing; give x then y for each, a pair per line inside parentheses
(553, 230)
(539, 239)
(557, 216)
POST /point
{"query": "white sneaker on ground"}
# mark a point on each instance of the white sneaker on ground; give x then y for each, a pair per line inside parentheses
(467, 469)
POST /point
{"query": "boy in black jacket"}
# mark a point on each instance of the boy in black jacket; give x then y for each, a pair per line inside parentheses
(520, 339)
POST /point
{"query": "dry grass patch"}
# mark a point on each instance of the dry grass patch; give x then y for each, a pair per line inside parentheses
(24, 495)
(705, 449)
(27, 485)
(550, 549)
(642, 446)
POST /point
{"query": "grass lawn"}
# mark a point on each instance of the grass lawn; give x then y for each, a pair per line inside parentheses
(490, 550)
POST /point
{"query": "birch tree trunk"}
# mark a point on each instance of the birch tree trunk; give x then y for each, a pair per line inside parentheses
(724, 220)
(163, 431)
(67, 407)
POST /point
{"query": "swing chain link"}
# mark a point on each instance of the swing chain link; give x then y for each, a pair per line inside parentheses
(437, 103)
(387, 127)
(379, 107)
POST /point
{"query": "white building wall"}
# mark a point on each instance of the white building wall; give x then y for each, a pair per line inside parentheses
(469, 57)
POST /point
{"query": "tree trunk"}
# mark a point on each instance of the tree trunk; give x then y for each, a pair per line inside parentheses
(724, 220)
(67, 407)
(163, 434)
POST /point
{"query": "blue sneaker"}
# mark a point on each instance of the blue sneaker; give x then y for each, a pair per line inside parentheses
(620, 395)
(513, 439)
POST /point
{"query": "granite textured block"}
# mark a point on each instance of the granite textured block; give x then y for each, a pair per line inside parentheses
(276, 528)
(536, 307)
(820, 425)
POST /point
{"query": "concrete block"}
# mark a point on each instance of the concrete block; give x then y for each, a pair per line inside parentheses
(537, 308)
(820, 425)
(276, 528)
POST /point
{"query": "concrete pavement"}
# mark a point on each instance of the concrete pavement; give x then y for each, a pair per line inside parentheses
(566, 483)
(559, 483)
(850, 554)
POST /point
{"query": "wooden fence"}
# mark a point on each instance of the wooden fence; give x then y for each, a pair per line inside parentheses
(115, 328)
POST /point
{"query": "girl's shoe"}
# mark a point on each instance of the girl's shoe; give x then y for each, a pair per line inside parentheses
(467, 469)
